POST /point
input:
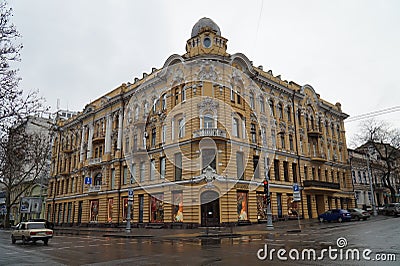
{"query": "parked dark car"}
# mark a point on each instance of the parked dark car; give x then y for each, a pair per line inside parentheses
(48, 224)
(338, 215)
(359, 214)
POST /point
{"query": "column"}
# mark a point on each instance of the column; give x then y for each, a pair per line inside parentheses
(119, 142)
(83, 143)
(90, 140)
(108, 133)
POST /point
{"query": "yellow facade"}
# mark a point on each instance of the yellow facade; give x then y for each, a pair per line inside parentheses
(194, 140)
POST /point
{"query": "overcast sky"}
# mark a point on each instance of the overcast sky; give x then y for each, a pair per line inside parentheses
(348, 51)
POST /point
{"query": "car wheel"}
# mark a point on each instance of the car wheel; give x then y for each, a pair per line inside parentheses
(13, 240)
(340, 219)
(321, 220)
(46, 242)
(23, 240)
(358, 218)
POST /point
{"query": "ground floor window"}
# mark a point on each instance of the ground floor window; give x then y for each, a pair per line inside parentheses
(177, 209)
(94, 210)
(69, 212)
(125, 210)
(242, 205)
(292, 206)
(261, 207)
(110, 210)
(157, 208)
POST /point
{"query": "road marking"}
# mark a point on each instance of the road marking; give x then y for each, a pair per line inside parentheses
(48, 249)
(309, 241)
(11, 253)
(94, 245)
(79, 246)
(106, 244)
(63, 247)
(293, 240)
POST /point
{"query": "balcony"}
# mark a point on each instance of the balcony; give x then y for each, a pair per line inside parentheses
(94, 161)
(318, 157)
(379, 186)
(320, 184)
(209, 132)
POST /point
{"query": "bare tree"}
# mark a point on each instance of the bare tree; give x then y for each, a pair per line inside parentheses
(21, 152)
(385, 141)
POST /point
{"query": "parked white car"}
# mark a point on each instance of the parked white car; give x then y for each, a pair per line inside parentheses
(31, 231)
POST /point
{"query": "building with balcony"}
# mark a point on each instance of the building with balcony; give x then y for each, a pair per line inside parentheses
(360, 158)
(194, 140)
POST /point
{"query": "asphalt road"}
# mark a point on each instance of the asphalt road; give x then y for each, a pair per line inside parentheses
(381, 236)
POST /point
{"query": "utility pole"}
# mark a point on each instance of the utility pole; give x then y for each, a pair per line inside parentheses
(371, 186)
(267, 192)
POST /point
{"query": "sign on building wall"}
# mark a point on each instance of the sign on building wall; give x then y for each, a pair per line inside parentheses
(31, 205)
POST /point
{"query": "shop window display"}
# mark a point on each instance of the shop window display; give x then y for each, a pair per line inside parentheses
(242, 206)
(94, 211)
(177, 214)
(157, 208)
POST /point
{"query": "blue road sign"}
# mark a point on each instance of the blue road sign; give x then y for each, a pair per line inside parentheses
(88, 180)
(295, 187)
(130, 193)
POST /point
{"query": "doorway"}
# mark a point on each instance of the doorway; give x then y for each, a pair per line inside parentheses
(319, 199)
(209, 208)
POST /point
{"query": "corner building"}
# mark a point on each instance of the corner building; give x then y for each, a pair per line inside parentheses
(194, 141)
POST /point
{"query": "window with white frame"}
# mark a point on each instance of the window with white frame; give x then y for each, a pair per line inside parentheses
(208, 121)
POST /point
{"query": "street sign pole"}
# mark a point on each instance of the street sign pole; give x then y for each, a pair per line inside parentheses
(128, 213)
(297, 198)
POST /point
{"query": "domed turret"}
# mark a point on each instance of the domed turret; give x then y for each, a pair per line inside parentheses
(206, 39)
(203, 24)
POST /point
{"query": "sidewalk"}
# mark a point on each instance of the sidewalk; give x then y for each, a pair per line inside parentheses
(234, 231)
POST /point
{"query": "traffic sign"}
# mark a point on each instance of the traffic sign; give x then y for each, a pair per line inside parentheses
(130, 193)
(88, 180)
(296, 187)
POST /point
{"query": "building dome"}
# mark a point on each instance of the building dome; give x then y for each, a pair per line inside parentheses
(202, 23)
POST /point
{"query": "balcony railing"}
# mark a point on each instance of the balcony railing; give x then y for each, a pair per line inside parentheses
(209, 132)
(321, 184)
(95, 188)
(94, 161)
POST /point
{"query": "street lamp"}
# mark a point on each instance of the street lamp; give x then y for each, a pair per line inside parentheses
(371, 186)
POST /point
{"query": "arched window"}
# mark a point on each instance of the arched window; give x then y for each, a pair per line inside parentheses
(272, 108)
(97, 179)
(262, 107)
(252, 104)
(280, 111)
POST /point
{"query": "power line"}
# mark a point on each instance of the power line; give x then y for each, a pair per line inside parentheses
(373, 114)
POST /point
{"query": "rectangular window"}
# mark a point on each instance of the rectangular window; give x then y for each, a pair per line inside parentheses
(256, 168)
(267, 168)
(69, 212)
(94, 210)
(286, 171)
(162, 167)
(152, 169)
(273, 139)
(157, 208)
(153, 136)
(110, 210)
(313, 173)
(163, 133)
(291, 143)
(177, 206)
(181, 124)
(276, 169)
(112, 178)
(240, 165)
(133, 173)
(183, 94)
(72, 185)
(176, 96)
(125, 209)
(142, 171)
(125, 175)
(294, 171)
(305, 172)
(253, 133)
(283, 146)
(326, 175)
(235, 127)
(232, 95)
(209, 158)
(242, 206)
(178, 166)
(164, 102)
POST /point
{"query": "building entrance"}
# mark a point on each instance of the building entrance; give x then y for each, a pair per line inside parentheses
(209, 208)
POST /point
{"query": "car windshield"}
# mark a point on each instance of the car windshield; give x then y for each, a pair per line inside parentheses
(36, 226)
(344, 211)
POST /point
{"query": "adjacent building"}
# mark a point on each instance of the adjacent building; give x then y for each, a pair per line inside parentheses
(193, 142)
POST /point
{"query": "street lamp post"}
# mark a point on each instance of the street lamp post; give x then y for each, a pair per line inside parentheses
(371, 186)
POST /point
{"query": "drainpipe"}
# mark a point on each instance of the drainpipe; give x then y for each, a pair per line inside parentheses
(297, 153)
